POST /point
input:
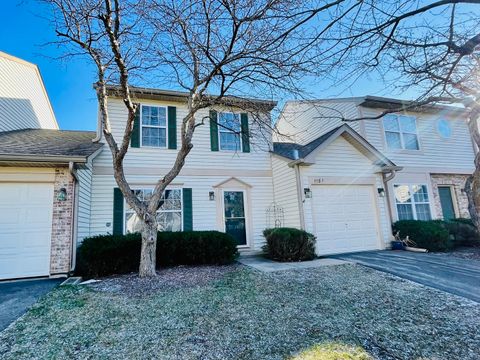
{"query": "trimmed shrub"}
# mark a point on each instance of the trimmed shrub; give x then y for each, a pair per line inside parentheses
(119, 254)
(431, 235)
(463, 232)
(288, 244)
(108, 254)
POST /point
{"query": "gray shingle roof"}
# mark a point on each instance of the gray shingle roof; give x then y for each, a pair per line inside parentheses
(286, 149)
(51, 143)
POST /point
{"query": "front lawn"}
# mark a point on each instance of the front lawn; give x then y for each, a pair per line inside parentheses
(232, 312)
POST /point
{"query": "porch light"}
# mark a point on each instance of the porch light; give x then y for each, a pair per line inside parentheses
(381, 192)
(62, 194)
(307, 192)
(211, 196)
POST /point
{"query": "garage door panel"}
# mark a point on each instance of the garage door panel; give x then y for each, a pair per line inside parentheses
(345, 218)
(25, 229)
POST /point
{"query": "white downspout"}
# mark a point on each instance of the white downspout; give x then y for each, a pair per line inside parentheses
(98, 137)
(392, 172)
(73, 252)
(300, 196)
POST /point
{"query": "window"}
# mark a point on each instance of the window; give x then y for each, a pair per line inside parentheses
(412, 202)
(401, 132)
(154, 126)
(169, 214)
(229, 131)
(444, 128)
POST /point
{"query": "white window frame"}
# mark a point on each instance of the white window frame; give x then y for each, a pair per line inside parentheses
(412, 203)
(154, 127)
(401, 132)
(225, 130)
(245, 212)
(128, 210)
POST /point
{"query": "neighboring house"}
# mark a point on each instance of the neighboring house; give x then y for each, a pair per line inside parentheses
(225, 184)
(354, 180)
(44, 175)
(24, 101)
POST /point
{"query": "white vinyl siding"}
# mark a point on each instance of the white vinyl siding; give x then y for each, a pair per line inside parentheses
(285, 190)
(84, 174)
(204, 210)
(436, 153)
(23, 100)
(236, 162)
(302, 122)
(341, 159)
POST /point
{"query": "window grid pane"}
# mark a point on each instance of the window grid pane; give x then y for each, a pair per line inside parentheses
(229, 131)
(169, 214)
(412, 202)
(154, 123)
(401, 132)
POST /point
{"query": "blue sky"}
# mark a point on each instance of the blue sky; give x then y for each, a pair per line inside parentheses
(69, 83)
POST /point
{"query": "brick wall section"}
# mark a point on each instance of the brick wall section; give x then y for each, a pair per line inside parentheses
(458, 183)
(62, 223)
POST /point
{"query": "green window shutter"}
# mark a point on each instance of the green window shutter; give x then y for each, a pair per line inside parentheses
(135, 139)
(117, 211)
(213, 131)
(245, 133)
(187, 210)
(172, 127)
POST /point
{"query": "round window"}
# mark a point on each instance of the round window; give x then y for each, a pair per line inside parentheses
(444, 128)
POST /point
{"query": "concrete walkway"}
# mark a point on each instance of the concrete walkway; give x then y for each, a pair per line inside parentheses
(17, 296)
(454, 275)
(266, 265)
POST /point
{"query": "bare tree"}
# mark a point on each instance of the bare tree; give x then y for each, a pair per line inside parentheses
(432, 47)
(216, 50)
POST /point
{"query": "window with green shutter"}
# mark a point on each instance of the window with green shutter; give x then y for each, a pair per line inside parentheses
(172, 127)
(245, 133)
(117, 211)
(135, 137)
(213, 131)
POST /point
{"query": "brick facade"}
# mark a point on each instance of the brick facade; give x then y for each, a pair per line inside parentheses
(459, 198)
(62, 223)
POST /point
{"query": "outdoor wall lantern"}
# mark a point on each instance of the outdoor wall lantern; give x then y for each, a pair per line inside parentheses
(381, 192)
(211, 195)
(307, 192)
(62, 194)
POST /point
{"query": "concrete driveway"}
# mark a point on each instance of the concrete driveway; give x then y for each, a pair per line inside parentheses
(454, 275)
(17, 296)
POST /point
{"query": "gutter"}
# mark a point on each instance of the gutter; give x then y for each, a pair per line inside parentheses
(388, 174)
(98, 137)
(73, 249)
(43, 158)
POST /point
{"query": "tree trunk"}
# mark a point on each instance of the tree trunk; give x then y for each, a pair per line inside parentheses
(472, 189)
(149, 244)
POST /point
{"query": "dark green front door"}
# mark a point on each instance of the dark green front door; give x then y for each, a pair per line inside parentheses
(235, 223)
(446, 201)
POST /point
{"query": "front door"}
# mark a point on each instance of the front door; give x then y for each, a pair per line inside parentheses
(234, 210)
(446, 200)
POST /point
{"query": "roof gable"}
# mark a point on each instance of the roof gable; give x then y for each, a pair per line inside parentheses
(307, 152)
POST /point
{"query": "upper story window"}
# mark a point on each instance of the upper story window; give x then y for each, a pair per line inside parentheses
(412, 202)
(154, 126)
(169, 214)
(229, 130)
(401, 132)
(444, 129)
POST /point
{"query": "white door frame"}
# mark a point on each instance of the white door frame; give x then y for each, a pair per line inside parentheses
(245, 210)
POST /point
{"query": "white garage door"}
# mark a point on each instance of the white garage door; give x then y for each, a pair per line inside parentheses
(345, 218)
(25, 229)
